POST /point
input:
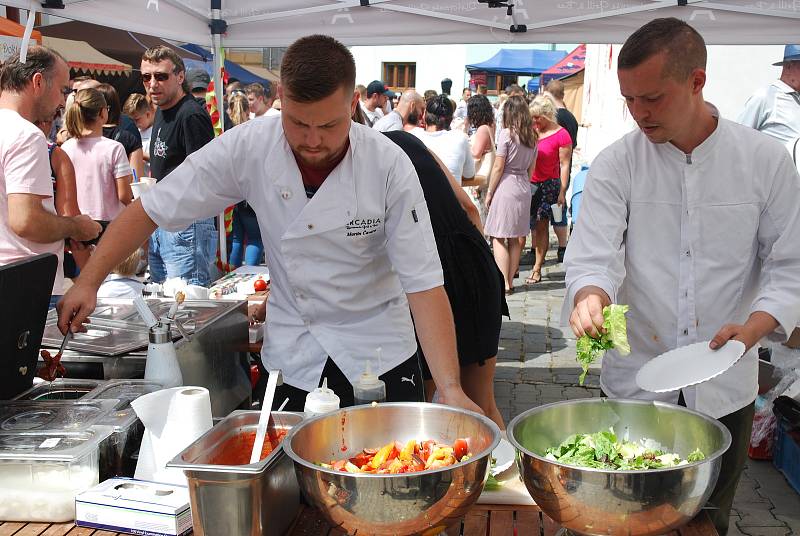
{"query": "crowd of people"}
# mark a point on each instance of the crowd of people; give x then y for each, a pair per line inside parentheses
(691, 219)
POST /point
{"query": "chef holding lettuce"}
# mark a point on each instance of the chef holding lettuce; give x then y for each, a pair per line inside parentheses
(693, 222)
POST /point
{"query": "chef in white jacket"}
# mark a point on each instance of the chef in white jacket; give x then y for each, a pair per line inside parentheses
(694, 222)
(347, 236)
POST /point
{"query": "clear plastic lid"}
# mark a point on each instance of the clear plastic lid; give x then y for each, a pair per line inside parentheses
(58, 446)
(126, 391)
(52, 415)
(120, 420)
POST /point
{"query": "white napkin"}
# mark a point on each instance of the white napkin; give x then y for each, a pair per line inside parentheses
(173, 419)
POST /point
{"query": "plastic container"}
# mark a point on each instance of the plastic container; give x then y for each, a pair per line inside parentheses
(369, 388)
(61, 389)
(786, 450)
(126, 391)
(320, 401)
(246, 500)
(162, 362)
(52, 415)
(40, 473)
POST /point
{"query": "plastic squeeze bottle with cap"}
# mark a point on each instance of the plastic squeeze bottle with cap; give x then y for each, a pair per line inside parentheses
(369, 388)
(320, 401)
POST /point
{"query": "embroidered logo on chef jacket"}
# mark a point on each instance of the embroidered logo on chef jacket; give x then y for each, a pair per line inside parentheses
(363, 226)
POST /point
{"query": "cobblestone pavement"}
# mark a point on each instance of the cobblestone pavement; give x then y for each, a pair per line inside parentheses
(536, 365)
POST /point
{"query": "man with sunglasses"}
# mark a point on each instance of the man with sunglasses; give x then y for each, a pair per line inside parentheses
(181, 126)
(33, 91)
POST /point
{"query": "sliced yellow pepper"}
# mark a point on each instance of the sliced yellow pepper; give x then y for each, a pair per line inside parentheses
(408, 450)
(382, 455)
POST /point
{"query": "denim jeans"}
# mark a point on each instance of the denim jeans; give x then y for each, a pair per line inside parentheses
(188, 254)
(245, 230)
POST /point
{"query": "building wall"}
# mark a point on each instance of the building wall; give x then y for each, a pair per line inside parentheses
(444, 61)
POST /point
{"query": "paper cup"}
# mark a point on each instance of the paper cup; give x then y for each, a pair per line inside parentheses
(138, 188)
(557, 214)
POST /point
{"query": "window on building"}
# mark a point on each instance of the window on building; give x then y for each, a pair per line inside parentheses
(400, 75)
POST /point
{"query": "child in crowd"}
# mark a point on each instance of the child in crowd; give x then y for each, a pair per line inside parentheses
(143, 113)
(102, 171)
(122, 282)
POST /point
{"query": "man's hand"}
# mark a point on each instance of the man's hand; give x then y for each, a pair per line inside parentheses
(85, 228)
(75, 307)
(562, 199)
(587, 316)
(456, 397)
(257, 312)
(758, 326)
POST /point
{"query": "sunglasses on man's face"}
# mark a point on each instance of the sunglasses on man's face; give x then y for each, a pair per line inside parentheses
(160, 77)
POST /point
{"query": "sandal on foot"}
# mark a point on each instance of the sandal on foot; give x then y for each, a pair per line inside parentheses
(534, 278)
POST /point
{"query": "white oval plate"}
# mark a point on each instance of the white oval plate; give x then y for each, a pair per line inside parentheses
(503, 456)
(688, 365)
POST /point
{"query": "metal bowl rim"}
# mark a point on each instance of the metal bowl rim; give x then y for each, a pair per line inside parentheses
(287, 441)
(726, 435)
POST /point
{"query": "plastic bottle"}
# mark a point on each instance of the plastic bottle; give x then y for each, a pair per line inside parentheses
(369, 388)
(162, 362)
(320, 401)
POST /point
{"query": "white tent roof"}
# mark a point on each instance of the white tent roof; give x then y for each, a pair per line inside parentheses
(261, 23)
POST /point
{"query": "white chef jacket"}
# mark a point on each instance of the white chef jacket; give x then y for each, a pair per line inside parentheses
(690, 242)
(774, 110)
(340, 262)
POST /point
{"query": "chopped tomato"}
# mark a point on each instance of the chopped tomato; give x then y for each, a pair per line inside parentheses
(460, 448)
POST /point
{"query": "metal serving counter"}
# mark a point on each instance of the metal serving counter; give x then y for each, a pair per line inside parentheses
(115, 346)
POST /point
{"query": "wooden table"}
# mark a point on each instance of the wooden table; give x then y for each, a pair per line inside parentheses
(482, 520)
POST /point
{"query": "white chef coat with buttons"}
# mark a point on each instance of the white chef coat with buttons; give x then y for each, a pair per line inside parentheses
(340, 262)
(690, 242)
(774, 110)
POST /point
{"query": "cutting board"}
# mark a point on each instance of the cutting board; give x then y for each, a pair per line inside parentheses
(513, 490)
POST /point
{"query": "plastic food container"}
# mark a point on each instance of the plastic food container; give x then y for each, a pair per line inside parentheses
(41, 472)
(61, 389)
(117, 452)
(52, 415)
(265, 494)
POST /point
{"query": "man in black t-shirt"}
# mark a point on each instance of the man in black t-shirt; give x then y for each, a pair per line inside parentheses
(567, 121)
(181, 127)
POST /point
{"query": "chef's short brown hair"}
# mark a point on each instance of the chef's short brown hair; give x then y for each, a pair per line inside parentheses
(683, 45)
(315, 67)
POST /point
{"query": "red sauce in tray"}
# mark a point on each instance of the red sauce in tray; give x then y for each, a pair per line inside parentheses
(237, 449)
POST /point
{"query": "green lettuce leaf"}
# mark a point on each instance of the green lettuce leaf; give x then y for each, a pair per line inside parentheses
(588, 349)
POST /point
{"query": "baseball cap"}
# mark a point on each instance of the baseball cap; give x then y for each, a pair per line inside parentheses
(376, 86)
(197, 79)
(790, 53)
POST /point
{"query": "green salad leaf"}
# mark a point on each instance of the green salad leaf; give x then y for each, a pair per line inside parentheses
(603, 450)
(588, 349)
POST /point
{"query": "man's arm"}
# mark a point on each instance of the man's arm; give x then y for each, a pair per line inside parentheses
(66, 193)
(28, 219)
(126, 233)
(595, 259)
(433, 320)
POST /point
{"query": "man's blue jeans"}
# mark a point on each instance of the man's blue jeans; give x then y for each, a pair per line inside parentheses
(188, 254)
(245, 230)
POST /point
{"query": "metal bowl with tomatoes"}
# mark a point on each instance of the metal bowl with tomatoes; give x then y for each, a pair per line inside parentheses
(398, 468)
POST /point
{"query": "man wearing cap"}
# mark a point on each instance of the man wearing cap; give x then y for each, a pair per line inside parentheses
(377, 95)
(198, 81)
(775, 109)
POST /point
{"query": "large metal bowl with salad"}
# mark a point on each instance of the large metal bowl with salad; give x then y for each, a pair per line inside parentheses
(614, 466)
(393, 468)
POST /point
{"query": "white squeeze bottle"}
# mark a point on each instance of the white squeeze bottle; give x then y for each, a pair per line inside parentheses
(369, 388)
(320, 401)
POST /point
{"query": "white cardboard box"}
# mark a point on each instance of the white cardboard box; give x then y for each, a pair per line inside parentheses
(135, 507)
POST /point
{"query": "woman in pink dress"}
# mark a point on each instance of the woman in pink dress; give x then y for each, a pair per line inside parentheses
(549, 179)
(509, 194)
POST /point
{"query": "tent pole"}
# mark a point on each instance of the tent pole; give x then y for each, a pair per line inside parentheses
(26, 37)
(217, 29)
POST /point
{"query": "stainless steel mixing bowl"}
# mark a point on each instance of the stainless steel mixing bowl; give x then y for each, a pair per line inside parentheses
(410, 503)
(634, 503)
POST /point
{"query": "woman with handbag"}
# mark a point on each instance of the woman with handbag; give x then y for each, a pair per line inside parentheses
(480, 118)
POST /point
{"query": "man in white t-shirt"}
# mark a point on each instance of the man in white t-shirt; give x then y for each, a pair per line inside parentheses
(377, 96)
(33, 91)
(260, 99)
(411, 103)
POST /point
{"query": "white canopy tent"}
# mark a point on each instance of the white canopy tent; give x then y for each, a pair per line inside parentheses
(263, 23)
